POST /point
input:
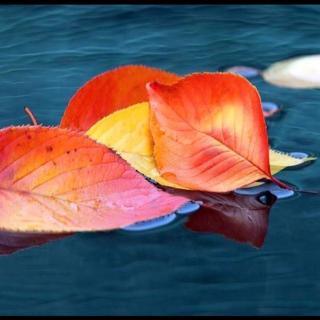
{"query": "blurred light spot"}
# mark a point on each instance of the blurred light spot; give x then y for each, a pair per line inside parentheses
(188, 208)
(151, 224)
(269, 186)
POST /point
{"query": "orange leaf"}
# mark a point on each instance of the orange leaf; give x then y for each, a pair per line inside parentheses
(57, 180)
(209, 132)
(111, 91)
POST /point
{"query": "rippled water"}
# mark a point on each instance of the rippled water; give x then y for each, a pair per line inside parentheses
(47, 52)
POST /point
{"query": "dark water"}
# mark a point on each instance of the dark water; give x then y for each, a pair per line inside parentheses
(47, 52)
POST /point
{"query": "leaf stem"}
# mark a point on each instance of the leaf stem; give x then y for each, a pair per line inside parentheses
(34, 120)
(281, 184)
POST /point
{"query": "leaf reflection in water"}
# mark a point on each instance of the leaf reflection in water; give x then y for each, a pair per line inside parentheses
(11, 242)
(240, 218)
(237, 217)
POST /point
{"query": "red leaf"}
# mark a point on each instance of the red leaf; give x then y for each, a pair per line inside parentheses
(209, 132)
(111, 91)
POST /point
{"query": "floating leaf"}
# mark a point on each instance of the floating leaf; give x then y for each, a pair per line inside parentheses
(280, 160)
(299, 72)
(209, 132)
(57, 180)
(127, 132)
(111, 91)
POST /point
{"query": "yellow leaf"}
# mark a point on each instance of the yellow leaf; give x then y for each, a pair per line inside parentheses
(127, 133)
(280, 160)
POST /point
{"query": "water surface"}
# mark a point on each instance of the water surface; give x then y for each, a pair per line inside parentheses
(47, 52)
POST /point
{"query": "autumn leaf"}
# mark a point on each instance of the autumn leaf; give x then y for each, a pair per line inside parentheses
(111, 91)
(57, 180)
(280, 160)
(127, 132)
(209, 132)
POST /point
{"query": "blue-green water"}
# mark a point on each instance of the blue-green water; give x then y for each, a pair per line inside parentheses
(47, 52)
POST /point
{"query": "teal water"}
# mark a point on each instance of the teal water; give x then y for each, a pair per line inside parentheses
(47, 52)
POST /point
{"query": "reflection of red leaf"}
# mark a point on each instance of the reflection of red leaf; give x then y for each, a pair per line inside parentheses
(111, 91)
(11, 242)
(241, 218)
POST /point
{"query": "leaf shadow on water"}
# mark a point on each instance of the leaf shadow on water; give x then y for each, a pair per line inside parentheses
(240, 218)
